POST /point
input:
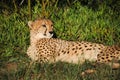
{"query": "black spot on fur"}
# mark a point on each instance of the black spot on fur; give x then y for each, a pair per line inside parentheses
(85, 45)
(75, 51)
(80, 48)
(88, 49)
(73, 48)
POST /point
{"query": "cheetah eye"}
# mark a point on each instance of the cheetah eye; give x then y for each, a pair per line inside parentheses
(44, 25)
(51, 25)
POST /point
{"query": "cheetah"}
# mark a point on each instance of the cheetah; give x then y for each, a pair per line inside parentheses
(44, 48)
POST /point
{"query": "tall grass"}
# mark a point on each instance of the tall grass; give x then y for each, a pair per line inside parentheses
(73, 22)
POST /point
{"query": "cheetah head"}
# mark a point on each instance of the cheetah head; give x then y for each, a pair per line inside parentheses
(40, 28)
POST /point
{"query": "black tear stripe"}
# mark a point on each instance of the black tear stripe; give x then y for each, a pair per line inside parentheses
(45, 32)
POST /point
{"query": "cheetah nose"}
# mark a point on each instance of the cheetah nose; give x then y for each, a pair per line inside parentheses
(51, 32)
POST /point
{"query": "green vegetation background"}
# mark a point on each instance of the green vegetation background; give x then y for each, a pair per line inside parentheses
(89, 20)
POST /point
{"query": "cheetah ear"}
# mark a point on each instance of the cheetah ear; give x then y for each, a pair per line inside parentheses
(30, 24)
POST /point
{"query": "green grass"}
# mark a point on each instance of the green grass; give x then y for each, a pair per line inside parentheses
(71, 23)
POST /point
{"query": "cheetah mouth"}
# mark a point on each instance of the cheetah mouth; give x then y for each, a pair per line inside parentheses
(51, 35)
(48, 35)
